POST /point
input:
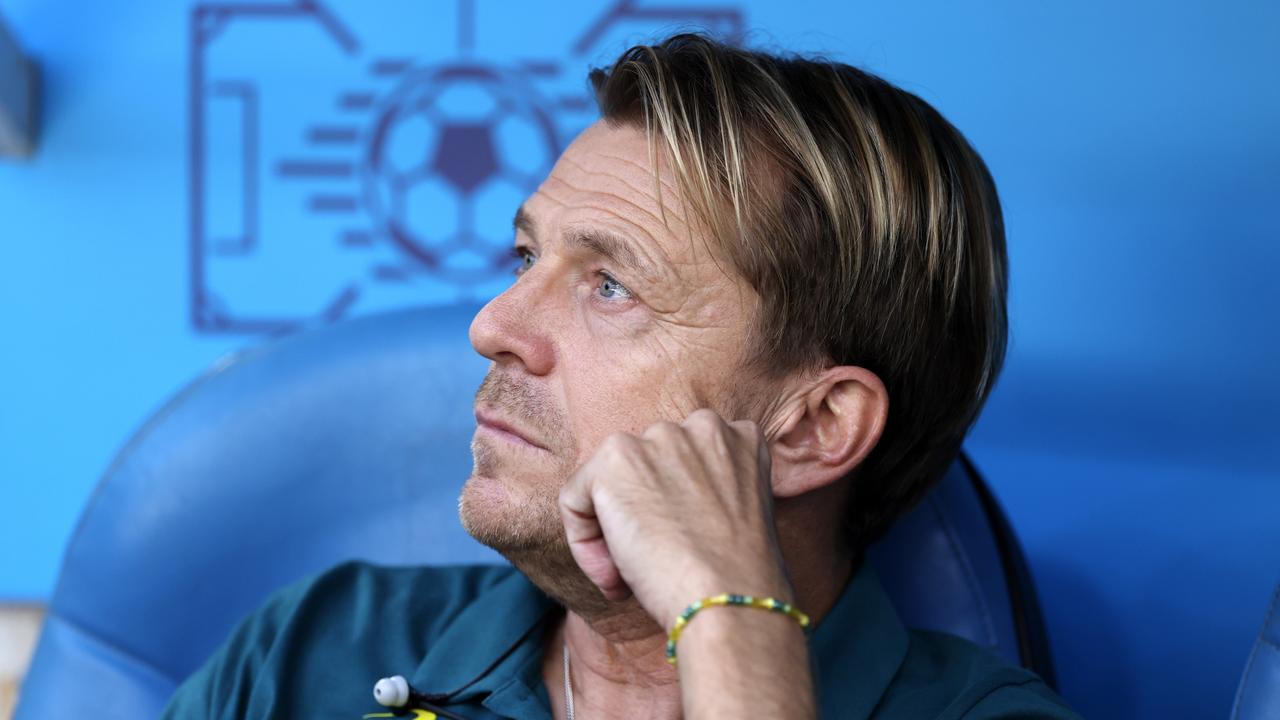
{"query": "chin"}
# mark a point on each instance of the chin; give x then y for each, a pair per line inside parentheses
(526, 530)
(508, 520)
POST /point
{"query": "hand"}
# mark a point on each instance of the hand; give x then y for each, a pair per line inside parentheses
(675, 514)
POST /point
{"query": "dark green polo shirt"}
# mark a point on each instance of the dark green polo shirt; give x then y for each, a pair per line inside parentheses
(315, 650)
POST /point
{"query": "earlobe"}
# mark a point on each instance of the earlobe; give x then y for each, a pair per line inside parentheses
(836, 424)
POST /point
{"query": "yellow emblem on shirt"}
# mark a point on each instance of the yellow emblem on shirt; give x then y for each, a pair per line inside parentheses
(417, 715)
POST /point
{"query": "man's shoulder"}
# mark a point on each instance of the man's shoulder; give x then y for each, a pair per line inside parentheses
(360, 586)
(429, 579)
(945, 676)
(358, 589)
(359, 616)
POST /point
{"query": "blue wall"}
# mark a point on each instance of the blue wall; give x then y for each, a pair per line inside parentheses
(205, 181)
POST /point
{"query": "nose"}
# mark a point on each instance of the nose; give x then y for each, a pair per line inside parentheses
(508, 329)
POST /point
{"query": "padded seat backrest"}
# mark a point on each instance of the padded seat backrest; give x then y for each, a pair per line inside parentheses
(352, 441)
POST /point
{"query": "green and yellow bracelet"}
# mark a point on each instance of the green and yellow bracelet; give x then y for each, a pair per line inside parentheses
(762, 603)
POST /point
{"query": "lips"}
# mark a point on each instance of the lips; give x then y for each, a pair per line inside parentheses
(485, 418)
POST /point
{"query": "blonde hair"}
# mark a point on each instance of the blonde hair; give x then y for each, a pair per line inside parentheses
(868, 225)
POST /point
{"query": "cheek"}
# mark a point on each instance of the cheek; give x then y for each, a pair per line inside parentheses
(622, 371)
(607, 393)
(625, 385)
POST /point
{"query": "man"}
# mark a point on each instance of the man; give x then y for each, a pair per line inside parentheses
(759, 304)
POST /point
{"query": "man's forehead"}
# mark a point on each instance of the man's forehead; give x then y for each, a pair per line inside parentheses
(606, 178)
(623, 153)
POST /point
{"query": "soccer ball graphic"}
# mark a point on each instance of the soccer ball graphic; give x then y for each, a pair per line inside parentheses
(453, 152)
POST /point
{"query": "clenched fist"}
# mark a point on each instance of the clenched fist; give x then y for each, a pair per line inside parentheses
(675, 514)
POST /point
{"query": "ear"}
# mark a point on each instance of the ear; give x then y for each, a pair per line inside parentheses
(833, 426)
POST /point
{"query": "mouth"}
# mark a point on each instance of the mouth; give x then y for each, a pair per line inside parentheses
(488, 422)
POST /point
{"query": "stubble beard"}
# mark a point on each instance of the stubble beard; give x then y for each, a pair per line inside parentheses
(516, 512)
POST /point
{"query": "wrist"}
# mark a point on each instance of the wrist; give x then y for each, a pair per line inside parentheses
(768, 604)
(698, 588)
(745, 663)
(715, 625)
(724, 629)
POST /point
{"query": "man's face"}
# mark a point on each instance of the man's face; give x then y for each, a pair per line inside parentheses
(618, 319)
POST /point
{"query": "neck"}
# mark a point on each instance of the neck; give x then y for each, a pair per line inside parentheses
(617, 652)
(816, 555)
(617, 664)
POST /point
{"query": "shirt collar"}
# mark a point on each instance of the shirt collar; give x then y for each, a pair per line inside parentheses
(507, 614)
(856, 649)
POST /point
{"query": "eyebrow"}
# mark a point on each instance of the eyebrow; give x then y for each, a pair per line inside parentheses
(603, 243)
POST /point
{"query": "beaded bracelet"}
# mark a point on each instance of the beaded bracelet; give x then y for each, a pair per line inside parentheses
(764, 603)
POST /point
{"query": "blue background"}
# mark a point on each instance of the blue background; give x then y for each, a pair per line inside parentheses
(1133, 437)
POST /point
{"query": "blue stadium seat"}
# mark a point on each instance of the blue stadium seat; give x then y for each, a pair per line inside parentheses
(352, 441)
(1259, 695)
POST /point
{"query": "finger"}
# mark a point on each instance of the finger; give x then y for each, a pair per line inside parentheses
(592, 555)
(748, 429)
(585, 536)
(661, 429)
(703, 417)
(751, 432)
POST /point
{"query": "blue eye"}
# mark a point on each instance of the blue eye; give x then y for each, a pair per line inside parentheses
(613, 289)
(525, 259)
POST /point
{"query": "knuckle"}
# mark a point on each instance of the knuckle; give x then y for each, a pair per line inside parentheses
(749, 431)
(660, 428)
(618, 448)
(704, 419)
(614, 442)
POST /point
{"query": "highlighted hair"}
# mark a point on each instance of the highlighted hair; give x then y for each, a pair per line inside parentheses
(867, 224)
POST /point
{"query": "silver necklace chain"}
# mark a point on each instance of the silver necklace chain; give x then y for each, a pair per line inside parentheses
(568, 684)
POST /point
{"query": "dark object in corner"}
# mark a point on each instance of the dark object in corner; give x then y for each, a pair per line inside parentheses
(19, 95)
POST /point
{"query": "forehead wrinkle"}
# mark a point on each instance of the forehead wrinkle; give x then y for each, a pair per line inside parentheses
(616, 197)
(627, 200)
(684, 221)
(641, 190)
(649, 172)
(618, 242)
(618, 247)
